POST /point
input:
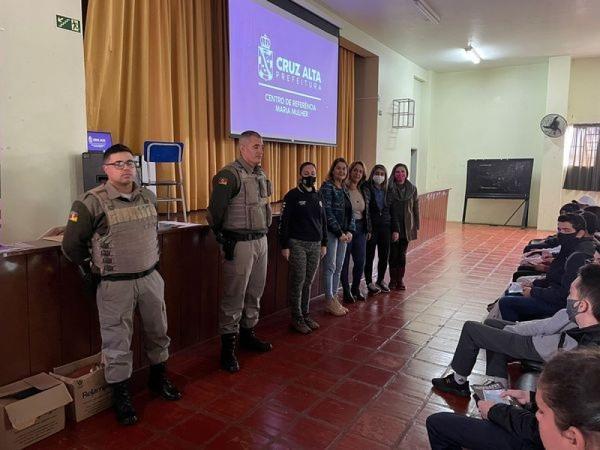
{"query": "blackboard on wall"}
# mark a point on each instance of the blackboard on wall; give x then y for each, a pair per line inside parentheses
(499, 178)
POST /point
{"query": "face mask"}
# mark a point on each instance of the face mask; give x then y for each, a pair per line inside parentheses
(572, 308)
(309, 181)
(400, 177)
(567, 240)
(378, 179)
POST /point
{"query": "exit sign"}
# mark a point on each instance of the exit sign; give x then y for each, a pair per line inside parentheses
(66, 23)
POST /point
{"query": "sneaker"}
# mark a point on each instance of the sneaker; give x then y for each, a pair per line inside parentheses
(448, 384)
(382, 286)
(373, 289)
(311, 323)
(300, 326)
(333, 307)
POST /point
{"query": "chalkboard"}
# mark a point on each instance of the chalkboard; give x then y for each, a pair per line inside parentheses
(499, 178)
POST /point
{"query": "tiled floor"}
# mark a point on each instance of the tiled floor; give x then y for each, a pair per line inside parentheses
(360, 382)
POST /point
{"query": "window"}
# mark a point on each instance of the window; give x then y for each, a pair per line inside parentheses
(583, 169)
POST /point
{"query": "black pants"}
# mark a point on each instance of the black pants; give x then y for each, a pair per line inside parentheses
(501, 347)
(450, 431)
(380, 239)
(398, 253)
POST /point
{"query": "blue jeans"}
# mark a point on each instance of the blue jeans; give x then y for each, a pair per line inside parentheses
(334, 259)
(516, 308)
(357, 249)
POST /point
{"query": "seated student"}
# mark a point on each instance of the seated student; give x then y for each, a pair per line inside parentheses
(569, 406)
(548, 295)
(552, 241)
(596, 211)
(505, 426)
(537, 340)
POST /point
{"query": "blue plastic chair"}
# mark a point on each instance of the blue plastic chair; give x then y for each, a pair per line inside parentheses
(167, 153)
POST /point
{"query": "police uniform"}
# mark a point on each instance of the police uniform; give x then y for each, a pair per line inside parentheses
(239, 213)
(119, 232)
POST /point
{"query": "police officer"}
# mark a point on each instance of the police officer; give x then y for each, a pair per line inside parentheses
(240, 214)
(112, 236)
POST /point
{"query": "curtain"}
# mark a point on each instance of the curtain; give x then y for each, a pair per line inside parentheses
(583, 169)
(157, 70)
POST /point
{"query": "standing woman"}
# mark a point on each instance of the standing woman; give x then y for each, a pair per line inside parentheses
(381, 232)
(340, 225)
(303, 237)
(359, 197)
(404, 212)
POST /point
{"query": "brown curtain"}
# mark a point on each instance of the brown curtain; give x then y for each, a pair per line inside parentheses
(157, 70)
(583, 169)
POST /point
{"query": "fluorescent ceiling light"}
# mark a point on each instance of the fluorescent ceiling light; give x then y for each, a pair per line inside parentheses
(472, 54)
(426, 11)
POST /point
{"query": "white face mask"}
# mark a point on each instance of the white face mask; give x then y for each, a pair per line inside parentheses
(379, 179)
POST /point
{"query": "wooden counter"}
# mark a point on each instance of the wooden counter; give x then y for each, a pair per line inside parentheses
(47, 319)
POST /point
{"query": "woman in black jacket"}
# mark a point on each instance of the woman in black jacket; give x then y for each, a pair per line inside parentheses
(380, 229)
(404, 212)
(303, 238)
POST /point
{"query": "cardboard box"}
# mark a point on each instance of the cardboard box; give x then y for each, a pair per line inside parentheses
(91, 394)
(31, 410)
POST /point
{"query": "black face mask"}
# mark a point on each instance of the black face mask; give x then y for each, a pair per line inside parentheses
(567, 241)
(308, 181)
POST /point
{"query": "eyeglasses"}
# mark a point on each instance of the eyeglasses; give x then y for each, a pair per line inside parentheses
(120, 165)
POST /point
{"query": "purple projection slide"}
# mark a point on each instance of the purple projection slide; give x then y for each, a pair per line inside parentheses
(283, 75)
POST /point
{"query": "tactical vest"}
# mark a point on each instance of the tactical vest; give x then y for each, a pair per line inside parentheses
(249, 210)
(130, 244)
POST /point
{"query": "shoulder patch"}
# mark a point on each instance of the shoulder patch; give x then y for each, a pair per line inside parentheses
(223, 181)
(74, 216)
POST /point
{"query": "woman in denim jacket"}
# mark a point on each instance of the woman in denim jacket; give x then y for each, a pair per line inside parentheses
(340, 225)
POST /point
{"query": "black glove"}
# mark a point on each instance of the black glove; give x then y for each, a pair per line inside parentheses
(90, 279)
(227, 244)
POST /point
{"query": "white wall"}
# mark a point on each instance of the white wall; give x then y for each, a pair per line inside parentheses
(491, 113)
(559, 74)
(584, 107)
(42, 115)
(396, 80)
(584, 91)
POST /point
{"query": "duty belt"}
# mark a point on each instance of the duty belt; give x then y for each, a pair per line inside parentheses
(129, 276)
(243, 236)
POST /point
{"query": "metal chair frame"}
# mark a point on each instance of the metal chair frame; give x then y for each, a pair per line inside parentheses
(169, 155)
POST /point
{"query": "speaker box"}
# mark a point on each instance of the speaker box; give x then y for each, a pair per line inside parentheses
(93, 175)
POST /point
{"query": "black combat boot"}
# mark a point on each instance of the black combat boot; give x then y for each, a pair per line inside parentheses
(122, 403)
(160, 384)
(249, 341)
(229, 361)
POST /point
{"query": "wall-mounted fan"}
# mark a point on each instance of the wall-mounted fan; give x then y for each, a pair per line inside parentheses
(553, 125)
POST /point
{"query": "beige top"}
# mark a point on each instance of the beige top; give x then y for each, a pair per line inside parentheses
(358, 203)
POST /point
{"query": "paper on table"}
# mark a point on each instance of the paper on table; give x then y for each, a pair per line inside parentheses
(6, 249)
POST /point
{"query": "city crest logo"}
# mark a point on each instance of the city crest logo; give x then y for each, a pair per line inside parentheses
(265, 58)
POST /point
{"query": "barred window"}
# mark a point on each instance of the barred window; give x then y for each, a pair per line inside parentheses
(583, 169)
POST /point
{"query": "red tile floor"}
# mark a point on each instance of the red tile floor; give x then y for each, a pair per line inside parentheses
(360, 382)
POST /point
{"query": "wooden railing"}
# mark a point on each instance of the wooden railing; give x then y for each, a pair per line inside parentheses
(47, 318)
